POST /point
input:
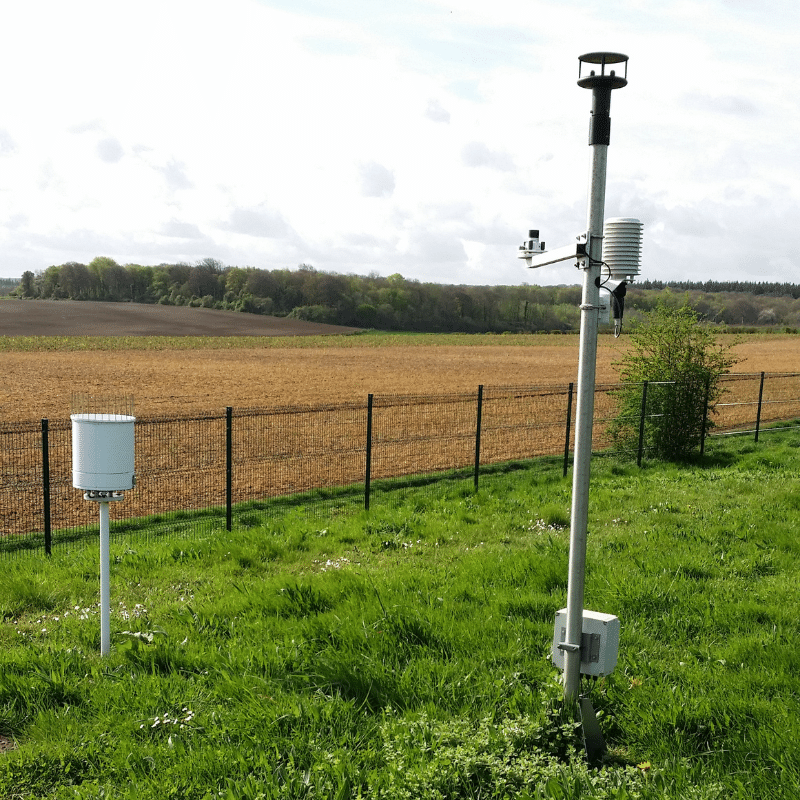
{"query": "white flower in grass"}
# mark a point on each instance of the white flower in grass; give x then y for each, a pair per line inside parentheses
(183, 721)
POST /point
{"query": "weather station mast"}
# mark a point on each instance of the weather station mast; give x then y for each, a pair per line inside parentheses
(586, 642)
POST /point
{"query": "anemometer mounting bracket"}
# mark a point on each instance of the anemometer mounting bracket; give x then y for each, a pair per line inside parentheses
(536, 256)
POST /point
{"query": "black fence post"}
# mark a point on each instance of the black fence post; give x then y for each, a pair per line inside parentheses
(569, 428)
(478, 436)
(760, 398)
(705, 417)
(368, 467)
(48, 543)
(641, 425)
(229, 468)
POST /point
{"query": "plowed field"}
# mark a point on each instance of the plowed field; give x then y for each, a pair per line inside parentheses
(259, 370)
(88, 318)
(290, 451)
(36, 385)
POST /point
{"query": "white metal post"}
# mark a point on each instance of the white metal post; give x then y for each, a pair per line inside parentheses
(587, 362)
(105, 590)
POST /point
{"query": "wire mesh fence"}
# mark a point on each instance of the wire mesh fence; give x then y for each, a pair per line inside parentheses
(753, 400)
(250, 463)
(286, 451)
(22, 481)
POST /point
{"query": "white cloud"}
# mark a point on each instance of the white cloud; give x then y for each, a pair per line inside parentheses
(422, 138)
(181, 230)
(734, 105)
(110, 150)
(174, 173)
(478, 154)
(7, 143)
(376, 180)
(259, 222)
(436, 112)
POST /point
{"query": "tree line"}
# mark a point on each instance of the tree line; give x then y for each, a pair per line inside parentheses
(8, 285)
(743, 287)
(365, 301)
(393, 302)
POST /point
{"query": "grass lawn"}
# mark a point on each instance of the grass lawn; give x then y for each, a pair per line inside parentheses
(404, 652)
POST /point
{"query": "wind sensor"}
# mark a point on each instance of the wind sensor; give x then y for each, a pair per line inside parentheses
(622, 251)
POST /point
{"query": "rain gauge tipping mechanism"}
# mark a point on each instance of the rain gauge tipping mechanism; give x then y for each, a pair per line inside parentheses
(102, 465)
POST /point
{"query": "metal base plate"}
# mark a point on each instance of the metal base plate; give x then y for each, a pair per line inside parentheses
(593, 740)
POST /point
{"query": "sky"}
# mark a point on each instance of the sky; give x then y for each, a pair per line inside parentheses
(418, 137)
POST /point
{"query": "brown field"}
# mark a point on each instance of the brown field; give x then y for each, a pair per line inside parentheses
(88, 318)
(261, 371)
(37, 384)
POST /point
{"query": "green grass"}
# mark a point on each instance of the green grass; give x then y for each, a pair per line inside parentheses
(403, 653)
(354, 340)
(367, 338)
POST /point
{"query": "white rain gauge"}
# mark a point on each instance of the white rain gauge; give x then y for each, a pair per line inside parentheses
(102, 465)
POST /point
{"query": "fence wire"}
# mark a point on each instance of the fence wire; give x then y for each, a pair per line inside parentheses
(524, 422)
(752, 400)
(21, 479)
(288, 451)
(183, 467)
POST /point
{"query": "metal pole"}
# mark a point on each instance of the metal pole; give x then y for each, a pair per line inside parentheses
(478, 436)
(760, 399)
(48, 534)
(229, 468)
(641, 425)
(569, 428)
(368, 465)
(705, 417)
(105, 590)
(584, 416)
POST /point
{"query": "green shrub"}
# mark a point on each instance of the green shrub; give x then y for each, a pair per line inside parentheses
(682, 360)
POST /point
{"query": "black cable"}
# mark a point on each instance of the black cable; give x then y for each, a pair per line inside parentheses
(594, 262)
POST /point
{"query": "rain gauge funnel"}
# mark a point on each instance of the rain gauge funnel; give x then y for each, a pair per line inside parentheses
(103, 466)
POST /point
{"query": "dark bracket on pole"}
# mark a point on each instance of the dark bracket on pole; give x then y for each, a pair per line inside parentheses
(593, 741)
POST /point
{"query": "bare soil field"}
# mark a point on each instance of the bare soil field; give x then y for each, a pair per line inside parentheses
(37, 385)
(257, 373)
(197, 374)
(87, 318)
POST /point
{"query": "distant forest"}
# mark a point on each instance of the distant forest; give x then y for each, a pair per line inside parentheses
(8, 285)
(395, 303)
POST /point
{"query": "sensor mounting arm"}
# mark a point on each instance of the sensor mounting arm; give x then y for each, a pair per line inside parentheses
(536, 258)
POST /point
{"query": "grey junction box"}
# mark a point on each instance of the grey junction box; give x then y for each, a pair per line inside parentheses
(599, 643)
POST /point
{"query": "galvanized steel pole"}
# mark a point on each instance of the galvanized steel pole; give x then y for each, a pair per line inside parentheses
(599, 137)
(584, 417)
